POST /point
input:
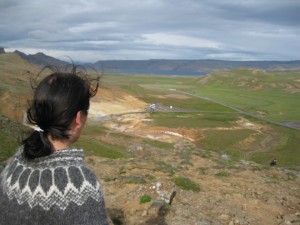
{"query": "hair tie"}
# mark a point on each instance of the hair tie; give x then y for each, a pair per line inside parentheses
(38, 129)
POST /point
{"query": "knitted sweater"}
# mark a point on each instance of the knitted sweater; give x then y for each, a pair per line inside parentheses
(58, 189)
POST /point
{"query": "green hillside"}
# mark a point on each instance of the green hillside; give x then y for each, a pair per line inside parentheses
(14, 73)
(14, 87)
(274, 96)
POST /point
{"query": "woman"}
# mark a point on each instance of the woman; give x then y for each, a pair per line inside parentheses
(47, 181)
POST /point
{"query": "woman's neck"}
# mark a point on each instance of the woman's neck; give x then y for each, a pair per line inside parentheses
(59, 144)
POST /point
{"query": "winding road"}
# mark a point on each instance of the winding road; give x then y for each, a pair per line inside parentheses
(235, 109)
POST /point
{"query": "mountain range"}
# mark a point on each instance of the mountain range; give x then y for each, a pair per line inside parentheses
(165, 66)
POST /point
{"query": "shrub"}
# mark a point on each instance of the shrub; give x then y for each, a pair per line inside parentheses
(150, 177)
(145, 198)
(186, 184)
(222, 174)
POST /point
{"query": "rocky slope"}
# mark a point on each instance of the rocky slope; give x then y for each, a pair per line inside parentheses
(231, 192)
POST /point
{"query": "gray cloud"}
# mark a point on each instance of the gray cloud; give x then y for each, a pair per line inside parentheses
(93, 30)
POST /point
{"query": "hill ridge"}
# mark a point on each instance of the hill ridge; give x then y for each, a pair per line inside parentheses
(165, 66)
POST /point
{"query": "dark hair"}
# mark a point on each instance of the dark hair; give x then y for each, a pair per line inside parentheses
(56, 101)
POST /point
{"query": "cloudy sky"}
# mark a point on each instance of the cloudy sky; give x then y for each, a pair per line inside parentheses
(91, 30)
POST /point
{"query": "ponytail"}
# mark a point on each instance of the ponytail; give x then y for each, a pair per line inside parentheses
(37, 145)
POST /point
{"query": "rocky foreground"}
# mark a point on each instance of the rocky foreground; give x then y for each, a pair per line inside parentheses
(209, 189)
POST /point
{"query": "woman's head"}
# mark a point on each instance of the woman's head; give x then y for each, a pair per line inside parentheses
(57, 101)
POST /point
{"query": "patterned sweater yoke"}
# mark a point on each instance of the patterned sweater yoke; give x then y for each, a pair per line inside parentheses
(56, 183)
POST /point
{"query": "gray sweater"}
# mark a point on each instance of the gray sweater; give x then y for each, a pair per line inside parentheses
(58, 189)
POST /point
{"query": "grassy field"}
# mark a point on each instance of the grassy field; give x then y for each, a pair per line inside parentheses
(10, 137)
(273, 96)
(94, 146)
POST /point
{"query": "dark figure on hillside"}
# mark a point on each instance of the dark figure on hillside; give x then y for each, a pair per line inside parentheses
(273, 162)
(172, 197)
(47, 181)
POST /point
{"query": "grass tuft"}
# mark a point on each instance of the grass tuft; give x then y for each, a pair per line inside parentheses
(186, 184)
(145, 198)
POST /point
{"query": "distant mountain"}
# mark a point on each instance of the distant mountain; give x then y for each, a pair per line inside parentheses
(41, 59)
(189, 66)
(166, 66)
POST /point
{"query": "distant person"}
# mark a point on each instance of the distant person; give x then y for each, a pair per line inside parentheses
(273, 162)
(47, 180)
